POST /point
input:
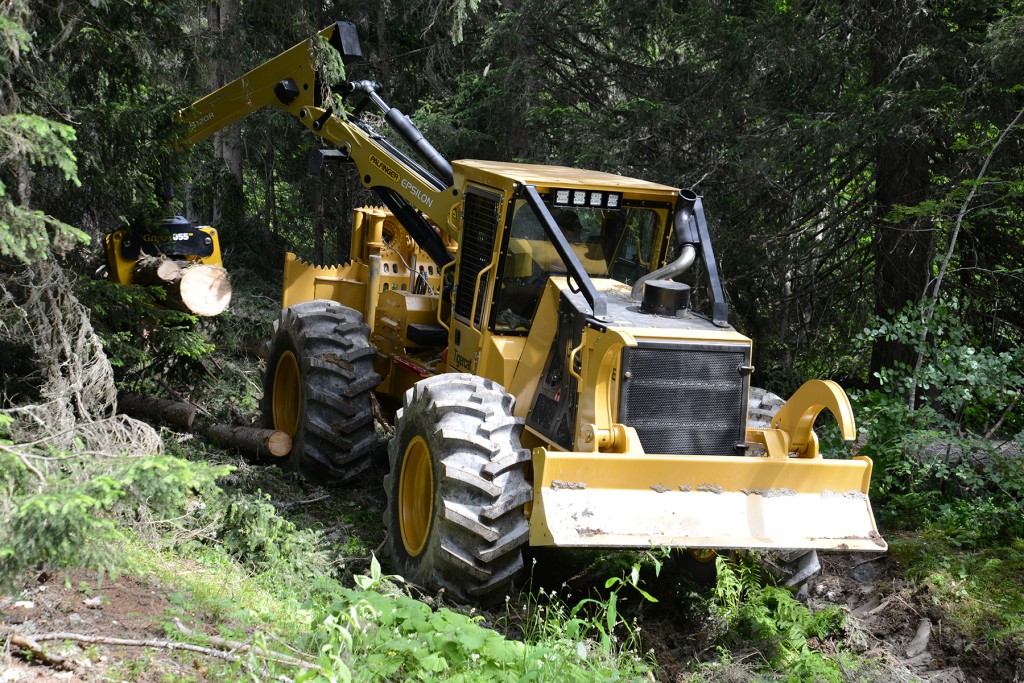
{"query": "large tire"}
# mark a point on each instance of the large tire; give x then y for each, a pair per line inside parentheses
(317, 387)
(457, 489)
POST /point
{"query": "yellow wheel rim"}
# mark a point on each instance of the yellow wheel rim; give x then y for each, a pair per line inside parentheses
(287, 396)
(415, 496)
(703, 555)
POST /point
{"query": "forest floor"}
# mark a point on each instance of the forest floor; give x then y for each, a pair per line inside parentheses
(893, 623)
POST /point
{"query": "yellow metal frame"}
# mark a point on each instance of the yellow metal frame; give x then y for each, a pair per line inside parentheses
(120, 269)
(286, 407)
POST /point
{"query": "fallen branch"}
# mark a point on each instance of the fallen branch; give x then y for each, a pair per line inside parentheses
(299, 503)
(31, 643)
(175, 412)
(238, 646)
(38, 652)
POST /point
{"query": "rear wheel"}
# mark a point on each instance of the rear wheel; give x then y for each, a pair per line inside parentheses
(317, 387)
(457, 488)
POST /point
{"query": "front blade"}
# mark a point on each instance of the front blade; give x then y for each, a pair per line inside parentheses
(600, 499)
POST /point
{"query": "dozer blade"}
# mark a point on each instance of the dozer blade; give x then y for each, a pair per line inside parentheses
(600, 499)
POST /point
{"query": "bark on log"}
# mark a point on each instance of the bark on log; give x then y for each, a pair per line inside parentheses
(174, 412)
(155, 270)
(252, 440)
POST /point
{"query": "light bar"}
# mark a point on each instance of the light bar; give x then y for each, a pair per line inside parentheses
(586, 199)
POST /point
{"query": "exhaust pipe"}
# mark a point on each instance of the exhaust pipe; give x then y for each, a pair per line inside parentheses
(686, 237)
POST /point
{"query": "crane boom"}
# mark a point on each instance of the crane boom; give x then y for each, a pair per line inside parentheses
(291, 82)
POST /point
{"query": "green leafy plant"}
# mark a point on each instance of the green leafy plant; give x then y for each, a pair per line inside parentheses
(769, 617)
(74, 516)
(253, 533)
(938, 462)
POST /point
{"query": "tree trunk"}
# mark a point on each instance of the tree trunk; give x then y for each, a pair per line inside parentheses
(318, 229)
(254, 441)
(903, 248)
(172, 412)
(222, 15)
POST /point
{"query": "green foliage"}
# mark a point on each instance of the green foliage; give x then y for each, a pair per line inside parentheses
(139, 336)
(255, 535)
(969, 385)
(383, 635)
(770, 618)
(30, 139)
(937, 465)
(74, 517)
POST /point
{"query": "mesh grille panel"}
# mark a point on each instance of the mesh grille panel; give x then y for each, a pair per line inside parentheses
(685, 399)
(480, 222)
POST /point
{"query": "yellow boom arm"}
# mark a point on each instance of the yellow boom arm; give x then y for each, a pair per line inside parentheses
(290, 82)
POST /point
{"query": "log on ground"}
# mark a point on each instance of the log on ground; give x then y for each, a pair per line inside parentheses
(173, 412)
(252, 440)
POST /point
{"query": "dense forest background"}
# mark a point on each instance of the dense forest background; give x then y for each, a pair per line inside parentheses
(862, 167)
(859, 161)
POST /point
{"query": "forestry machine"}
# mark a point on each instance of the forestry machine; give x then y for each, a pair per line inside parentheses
(553, 384)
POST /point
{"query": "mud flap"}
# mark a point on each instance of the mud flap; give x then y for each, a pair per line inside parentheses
(610, 500)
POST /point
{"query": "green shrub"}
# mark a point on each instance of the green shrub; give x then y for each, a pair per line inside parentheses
(77, 515)
(937, 464)
(254, 534)
(769, 618)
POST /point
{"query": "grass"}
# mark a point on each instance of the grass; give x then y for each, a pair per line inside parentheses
(981, 591)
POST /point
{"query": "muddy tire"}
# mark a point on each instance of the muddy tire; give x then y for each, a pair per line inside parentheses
(457, 488)
(317, 387)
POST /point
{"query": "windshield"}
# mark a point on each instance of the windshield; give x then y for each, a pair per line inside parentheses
(617, 244)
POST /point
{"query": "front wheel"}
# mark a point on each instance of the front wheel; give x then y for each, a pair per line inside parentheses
(457, 488)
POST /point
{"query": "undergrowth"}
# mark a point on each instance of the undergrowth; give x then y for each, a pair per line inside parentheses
(792, 643)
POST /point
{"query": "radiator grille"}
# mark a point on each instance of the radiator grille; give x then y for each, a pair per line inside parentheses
(480, 222)
(685, 399)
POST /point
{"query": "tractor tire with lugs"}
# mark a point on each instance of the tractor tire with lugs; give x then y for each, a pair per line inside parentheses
(457, 488)
(317, 387)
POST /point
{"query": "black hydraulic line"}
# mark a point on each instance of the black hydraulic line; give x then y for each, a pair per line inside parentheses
(416, 226)
(719, 307)
(405, 127)
(576, 273)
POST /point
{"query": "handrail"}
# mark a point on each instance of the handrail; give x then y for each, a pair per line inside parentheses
(476, 293)
(440, 299)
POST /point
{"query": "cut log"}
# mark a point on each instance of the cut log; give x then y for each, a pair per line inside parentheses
(173, 412)
(202, 290)
(252, 440)
(156, 270)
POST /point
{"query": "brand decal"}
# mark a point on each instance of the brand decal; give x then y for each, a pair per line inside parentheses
(383, 166)
(173, 237)
(196, 124)
(427, 200)
(464, 362)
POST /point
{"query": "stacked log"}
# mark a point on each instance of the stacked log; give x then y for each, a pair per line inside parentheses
(192, 287)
